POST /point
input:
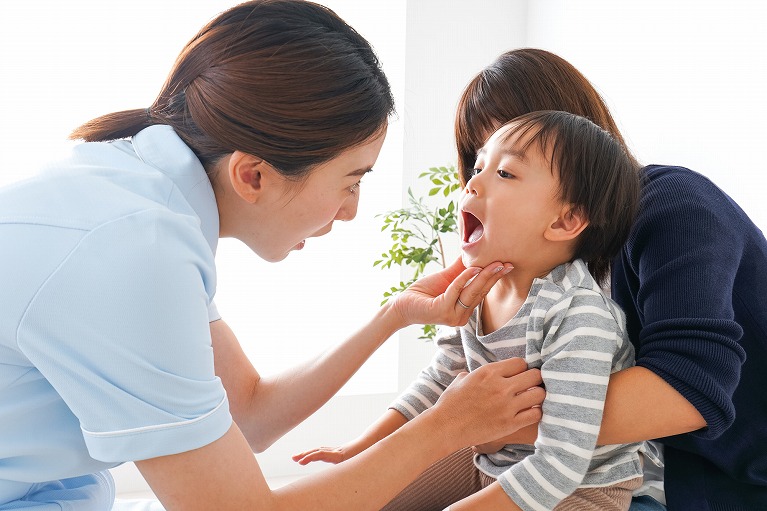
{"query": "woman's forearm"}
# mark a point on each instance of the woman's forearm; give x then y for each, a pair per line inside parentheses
(225, 476)
(492, 398)
(295, 394)
(488, 403)
(372, 478)
(265, 408)
(640, 405)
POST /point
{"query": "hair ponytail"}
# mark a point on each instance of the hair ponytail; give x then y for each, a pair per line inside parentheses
(113, 126)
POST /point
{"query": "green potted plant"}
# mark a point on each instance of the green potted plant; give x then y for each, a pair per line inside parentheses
(418, 231)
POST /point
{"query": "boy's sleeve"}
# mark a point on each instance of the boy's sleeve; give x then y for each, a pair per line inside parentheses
(577, 361)
(448, 361)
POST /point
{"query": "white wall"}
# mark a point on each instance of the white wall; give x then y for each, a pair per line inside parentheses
(447, 43)
(686, 80)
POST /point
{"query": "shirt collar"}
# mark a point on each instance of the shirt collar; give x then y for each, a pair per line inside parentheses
(572, 274)
(160, 147)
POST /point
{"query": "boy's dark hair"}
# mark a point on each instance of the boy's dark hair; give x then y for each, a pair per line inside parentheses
(518, 82)
(596, 175)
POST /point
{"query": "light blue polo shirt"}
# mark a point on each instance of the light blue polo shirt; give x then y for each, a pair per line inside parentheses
(107, 280)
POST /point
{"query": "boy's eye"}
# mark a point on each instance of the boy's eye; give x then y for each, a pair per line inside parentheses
(475, 171)
(505, 175)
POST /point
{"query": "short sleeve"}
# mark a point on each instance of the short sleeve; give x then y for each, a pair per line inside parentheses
(120, 330)
(213, 314)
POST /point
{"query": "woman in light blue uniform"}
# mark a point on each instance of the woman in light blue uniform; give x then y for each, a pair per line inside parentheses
(111, 348)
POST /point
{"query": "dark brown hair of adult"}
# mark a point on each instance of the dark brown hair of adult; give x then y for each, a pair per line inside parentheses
(596, 175)
(519, 82)
(285, 80)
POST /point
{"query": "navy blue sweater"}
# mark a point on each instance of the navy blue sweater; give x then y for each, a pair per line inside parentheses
(693, 281)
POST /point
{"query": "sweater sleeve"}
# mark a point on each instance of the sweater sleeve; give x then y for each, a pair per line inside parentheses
(683, 255)
(577, 359)
(423, 393)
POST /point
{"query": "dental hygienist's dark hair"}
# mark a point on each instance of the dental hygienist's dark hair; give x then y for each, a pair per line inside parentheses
(596, 175)
(285, 80)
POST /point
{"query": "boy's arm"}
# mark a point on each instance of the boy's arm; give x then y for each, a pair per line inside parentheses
(448, 362)
(387, 424)
(577, 361)
(423, 393)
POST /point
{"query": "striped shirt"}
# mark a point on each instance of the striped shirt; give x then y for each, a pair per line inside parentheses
(575, 334)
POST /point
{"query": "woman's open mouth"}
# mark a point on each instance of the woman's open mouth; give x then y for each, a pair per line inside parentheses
(472, 228)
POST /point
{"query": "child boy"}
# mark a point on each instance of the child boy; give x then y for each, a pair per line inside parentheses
(555, 195)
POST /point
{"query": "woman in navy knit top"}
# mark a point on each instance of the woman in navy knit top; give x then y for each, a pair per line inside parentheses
(692, 280)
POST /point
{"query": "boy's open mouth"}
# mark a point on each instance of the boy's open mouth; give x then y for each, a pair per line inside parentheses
(472, 227)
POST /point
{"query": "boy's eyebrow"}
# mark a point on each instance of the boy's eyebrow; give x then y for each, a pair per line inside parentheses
(513, 152)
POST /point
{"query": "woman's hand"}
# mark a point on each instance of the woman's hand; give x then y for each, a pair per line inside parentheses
(449, 296)
(527, 435)
(490, 403)
(490, 447)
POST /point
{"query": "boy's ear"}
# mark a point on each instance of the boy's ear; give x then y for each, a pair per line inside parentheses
(568, 225)
(249, 175)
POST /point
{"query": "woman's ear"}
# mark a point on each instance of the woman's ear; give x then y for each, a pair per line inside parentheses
(568, 225)
(248, 175)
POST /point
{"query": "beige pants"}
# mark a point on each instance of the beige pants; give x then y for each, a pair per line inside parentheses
(456, 477)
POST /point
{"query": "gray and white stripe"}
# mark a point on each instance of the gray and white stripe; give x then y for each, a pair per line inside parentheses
(575, 334)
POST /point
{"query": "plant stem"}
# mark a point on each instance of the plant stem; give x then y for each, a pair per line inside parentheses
(441, 251)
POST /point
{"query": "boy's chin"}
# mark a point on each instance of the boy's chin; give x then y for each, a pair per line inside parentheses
(469, 261)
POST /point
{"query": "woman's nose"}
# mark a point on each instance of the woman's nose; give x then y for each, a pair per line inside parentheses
(348, 209)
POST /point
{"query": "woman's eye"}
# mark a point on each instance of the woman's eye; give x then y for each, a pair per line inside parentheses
(355, 188)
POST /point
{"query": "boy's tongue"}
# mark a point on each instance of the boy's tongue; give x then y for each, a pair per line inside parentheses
(476, 233)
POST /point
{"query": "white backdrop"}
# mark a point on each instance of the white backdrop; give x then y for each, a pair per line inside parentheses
(685, 80)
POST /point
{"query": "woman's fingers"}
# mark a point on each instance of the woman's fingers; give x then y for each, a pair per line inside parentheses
(470, 287)
(508, 367)
(494, 401)
(447, 297)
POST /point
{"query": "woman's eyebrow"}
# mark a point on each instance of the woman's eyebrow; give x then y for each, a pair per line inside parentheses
(360, 172)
